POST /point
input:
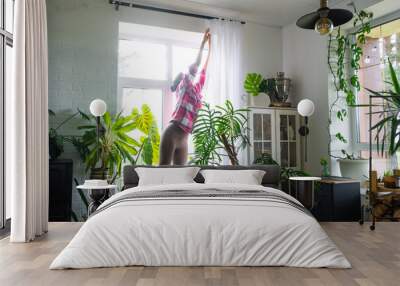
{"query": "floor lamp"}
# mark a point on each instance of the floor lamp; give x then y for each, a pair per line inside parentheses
(305, 108)
(97, 108)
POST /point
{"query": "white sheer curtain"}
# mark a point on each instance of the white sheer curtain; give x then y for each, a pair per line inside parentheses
(224, 75)
(27, 123)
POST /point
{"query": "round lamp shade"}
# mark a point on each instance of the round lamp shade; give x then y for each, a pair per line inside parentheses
(98, 107)
(305, 108)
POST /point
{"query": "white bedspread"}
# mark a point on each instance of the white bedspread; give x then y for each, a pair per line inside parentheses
(200, 231)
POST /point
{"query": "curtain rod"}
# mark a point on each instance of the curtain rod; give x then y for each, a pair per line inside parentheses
(117, 3)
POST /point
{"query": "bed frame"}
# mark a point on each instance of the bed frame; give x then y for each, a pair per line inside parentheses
(270, 179)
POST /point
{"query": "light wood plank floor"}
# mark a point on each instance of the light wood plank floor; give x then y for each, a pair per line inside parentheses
(375, 257)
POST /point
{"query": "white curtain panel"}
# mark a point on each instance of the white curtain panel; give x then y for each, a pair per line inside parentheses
(224, 75)
(27, 122)
(225, 72)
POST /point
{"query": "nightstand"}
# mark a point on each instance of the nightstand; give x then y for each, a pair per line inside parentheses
(98, 194)
(304, 190)
(338, 199)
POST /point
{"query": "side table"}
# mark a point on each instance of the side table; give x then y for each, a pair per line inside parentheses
(98, 195)
(304, 191)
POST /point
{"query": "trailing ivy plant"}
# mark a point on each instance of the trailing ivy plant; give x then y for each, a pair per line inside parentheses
(344, 51)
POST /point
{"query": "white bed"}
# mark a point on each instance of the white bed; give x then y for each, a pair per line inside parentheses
(264, 229)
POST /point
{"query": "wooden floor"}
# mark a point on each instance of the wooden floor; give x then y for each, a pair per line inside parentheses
(375, 257)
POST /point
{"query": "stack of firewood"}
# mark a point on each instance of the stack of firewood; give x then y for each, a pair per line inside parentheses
(387, 205)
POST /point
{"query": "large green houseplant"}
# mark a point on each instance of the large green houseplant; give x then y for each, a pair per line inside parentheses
(388, 127)
(104, 157)
(218, 132)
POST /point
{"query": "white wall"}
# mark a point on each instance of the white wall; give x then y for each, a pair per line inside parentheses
(83, 59)
(304, 60)
(262, 54)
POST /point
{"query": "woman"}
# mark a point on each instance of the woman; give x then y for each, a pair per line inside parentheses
(174, 141)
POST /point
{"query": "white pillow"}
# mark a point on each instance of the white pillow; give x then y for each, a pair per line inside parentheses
(248, 177)
(166, 176)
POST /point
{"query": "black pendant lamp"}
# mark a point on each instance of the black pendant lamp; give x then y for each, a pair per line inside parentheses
(324, 19)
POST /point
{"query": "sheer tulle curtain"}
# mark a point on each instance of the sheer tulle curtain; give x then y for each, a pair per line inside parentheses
(27, 122)
(224, 75)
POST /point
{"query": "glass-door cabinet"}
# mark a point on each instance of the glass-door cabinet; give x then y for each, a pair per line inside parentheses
(275, 131)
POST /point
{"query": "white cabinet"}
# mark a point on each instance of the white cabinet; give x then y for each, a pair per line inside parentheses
(275, 131)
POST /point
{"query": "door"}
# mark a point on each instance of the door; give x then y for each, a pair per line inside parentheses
(262, 133)
(287, 138)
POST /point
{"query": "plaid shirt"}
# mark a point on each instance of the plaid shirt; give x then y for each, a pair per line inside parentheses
(189, 101)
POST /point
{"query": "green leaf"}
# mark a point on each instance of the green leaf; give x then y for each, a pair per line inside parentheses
(341, 138)
(252, 83)
(393, 76)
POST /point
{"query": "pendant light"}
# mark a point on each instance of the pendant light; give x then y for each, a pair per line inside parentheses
(324, 19)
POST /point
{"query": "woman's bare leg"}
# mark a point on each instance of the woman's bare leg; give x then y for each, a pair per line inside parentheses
(181, 153)
(167, 146)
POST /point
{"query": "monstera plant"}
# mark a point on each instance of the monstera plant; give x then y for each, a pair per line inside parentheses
(255, 84)
(218, 132)
(116, 143)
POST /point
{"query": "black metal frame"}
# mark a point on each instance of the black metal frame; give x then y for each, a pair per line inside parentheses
(372, 226)
(6, 38)
(118, 3)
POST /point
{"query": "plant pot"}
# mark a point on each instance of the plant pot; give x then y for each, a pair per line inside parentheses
(99, 174)
(355, 169)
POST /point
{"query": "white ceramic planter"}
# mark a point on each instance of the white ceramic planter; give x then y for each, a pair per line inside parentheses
(355, 169)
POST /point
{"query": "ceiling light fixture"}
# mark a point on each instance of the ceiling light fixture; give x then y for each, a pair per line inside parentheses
(324, 19)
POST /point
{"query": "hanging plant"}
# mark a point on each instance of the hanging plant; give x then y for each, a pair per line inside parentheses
(343, 52)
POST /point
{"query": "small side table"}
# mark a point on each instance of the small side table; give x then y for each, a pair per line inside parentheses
(304, 191)
(97, 194)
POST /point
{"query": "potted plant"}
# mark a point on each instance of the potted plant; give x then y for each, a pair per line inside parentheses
(353, 167)
(277, 89)
(115, 146)
(56, 140)
(325, 168)
(286, 172)
(219, 132)
(343, 53)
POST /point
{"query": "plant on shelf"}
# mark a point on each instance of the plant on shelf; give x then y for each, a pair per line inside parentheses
(342, 53)
(116, 145)
(255, 84)
(218, 132)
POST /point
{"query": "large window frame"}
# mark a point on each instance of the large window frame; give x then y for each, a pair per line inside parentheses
(163, 85)
(357, 145)
(6, 39)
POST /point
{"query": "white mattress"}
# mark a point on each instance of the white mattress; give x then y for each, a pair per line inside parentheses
(195, 231)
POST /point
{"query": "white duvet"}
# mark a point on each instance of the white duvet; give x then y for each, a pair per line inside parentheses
(200, 231)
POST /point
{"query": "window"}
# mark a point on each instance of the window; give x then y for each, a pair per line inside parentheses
(149, 58)
(383, 42)
(6, 43)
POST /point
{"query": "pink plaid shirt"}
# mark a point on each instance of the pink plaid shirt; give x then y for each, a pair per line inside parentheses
(189, 101)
